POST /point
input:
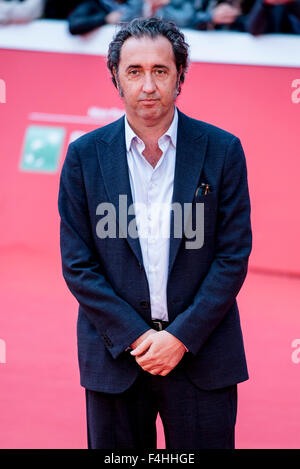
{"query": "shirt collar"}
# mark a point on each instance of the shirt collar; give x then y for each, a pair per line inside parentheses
(130, 135)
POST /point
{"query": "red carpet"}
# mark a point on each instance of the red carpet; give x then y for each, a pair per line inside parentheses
(41, 403)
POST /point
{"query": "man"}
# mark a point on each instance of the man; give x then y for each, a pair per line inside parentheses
(158, 323)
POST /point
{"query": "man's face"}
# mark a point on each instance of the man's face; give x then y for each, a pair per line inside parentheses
(147, 77)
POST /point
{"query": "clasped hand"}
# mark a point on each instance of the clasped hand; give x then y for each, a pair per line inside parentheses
(159, 353)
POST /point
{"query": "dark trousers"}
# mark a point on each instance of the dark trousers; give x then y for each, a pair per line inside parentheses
(192, 418)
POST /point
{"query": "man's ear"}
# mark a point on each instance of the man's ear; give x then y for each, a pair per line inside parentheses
(178, 79)
(179, 72)
(115, 75)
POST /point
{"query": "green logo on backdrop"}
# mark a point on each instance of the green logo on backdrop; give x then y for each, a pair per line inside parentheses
(42, 148)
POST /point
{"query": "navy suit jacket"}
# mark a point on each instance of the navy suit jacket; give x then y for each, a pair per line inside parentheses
(108, 278)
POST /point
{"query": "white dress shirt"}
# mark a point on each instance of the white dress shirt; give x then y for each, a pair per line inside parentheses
(152, 191)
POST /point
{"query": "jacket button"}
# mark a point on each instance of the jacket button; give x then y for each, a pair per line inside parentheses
(145, 304)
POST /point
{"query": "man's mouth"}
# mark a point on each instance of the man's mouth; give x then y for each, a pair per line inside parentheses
(148, 100)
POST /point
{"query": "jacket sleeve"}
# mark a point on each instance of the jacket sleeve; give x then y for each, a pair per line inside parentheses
(115, 320)
(86, 17)
(181, 12)
(260, 18)
(293, 8)
(131, 9)
(263, 18)
(228, 270)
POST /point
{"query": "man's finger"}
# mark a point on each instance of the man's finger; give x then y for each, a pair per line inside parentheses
(164, 372)
(142, 347)
(154, 371)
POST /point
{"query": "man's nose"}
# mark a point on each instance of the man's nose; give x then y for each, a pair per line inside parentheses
(149, 85)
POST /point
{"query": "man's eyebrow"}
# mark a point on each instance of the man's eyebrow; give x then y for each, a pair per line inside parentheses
(161, 66)
(132, 66)
(154, 66)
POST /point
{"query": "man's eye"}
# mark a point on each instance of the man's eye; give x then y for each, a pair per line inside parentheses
(133, 72)
(160, 72)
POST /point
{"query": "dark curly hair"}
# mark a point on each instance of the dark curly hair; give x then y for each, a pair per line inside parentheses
(151, 27)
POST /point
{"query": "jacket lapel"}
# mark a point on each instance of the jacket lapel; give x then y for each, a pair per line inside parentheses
(190, 154)
(112, 157)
